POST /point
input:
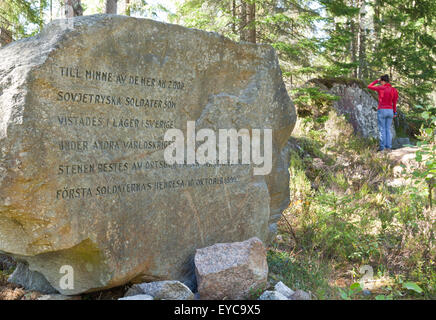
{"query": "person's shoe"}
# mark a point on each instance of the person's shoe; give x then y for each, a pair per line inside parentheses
(380, 150)
(388, 150)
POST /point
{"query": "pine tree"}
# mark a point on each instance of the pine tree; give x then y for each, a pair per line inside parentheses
(21, 18)
(407, 46)
(73, 8)
(367, 38)
(111, 6)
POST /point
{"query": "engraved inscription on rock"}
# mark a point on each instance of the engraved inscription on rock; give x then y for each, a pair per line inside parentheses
(83, 179)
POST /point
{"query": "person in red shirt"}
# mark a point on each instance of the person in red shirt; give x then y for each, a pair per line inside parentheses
(387, 110)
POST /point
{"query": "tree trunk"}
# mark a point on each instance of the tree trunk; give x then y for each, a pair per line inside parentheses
(41, 14)
(127, 7)
(377, 22)
(234, 16)
(374, 40)
(362, 55)
(362, 41)
(354, 30)
(252, 22)
(111, 7)
(5, 36)
(353, 46)
(73, 8)
(243, 22)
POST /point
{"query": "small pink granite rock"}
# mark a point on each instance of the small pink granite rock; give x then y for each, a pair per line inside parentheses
(231, 270)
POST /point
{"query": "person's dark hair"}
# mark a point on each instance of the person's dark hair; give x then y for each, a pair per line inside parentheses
(384, 78)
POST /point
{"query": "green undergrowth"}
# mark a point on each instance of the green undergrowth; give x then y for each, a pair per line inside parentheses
(344, 215)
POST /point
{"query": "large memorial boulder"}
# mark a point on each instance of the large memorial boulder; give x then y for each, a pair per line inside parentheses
(87, 198)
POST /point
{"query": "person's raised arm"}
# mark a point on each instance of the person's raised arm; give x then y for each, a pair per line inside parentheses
(373, 86)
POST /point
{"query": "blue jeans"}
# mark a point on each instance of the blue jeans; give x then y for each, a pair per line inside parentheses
(384, 119)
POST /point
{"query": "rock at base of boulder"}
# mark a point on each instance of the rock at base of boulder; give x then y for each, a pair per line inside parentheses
(162, 290)
(58, 297)
(30, 280)
(272, 295)
(138, 297)
(301, 295)
(284, 290)
(398, 143)
(7, 262)
(231, 270)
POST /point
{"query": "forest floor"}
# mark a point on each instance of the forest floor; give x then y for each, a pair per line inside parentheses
(359, 225)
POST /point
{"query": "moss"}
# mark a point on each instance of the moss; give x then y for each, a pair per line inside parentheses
(313, 102)
(329, 82)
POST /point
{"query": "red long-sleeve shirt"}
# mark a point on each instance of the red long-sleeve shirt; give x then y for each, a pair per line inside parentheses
(387, 95)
